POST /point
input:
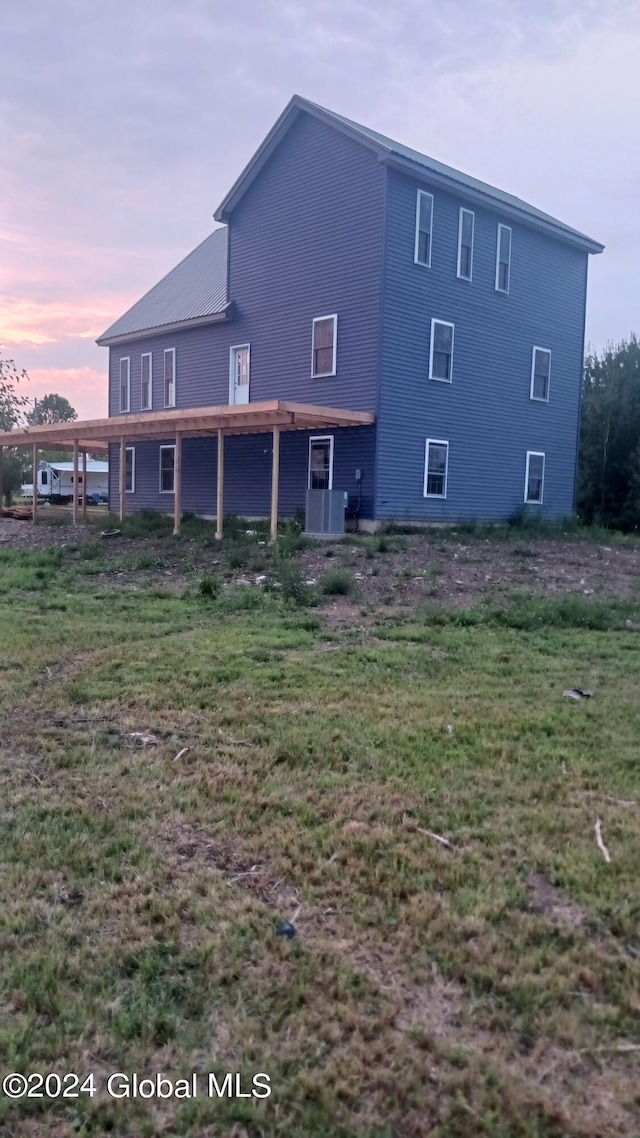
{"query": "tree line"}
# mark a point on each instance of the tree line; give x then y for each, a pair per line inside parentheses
(609, 461)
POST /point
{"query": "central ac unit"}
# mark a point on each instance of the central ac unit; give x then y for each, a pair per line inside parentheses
(325, 513)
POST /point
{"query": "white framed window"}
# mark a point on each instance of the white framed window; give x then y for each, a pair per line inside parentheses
(130, 470)
(424, 229)
(239, 368)
(466, 227)
(324, 346)
(169, 377)
(436, 465)
(320, 462)
(167, 469)
(441, 351)
(540, 373)
(503, 259)
(125, 384)
(534, 477)
(146, 382)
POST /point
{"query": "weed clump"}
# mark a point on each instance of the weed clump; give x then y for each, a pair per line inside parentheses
(210, 586)
(337, 583)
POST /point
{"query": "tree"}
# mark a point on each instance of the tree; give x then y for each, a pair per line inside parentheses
(11, 404)
(11, 411)
(609, 465)
(51, 409)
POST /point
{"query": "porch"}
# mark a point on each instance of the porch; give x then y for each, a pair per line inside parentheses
(173, 427)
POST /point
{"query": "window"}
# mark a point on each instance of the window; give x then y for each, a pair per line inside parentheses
(170, 377)
(503, 259)
(323, 359)
(424, 228)
(321, 462)
(540, 374)
(167, 469)
(130, 469)
(441, 351)
(534, 477)
(466, 227)
(44, 477)
(125, 384)
(436, 462)
(146, 388)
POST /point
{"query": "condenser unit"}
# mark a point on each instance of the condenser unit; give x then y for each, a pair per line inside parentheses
(325, 513)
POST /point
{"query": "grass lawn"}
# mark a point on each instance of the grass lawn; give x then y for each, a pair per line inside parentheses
(486, 989)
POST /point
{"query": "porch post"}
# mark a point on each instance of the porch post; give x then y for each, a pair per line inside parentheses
(220, 487)
(85, 488)
(1, 453)
(275, 482)
(35, 481)
(76, 470)
(122, 484)
(177, 483)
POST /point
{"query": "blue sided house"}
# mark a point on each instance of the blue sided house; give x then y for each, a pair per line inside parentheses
(364, 319)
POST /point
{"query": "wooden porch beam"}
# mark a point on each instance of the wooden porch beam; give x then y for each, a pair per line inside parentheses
(85, 488)
(220, 486)
(34, 472)
(76, 472)
(177, 483)
(275, 482)
(122, 472)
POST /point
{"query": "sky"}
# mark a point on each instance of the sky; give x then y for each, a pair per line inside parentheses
(123, 124)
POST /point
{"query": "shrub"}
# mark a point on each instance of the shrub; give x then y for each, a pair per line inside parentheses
(291, 585)
(337, 583)
(210, 586)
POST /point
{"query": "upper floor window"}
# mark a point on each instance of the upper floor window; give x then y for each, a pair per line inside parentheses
(145, 382)
(503, 259)
(534, 477)
(323, 355)
(130, 470)
(441, 351)
(170, 377)
(167, 469)
(125, 384)
(320, 462)
(436, 462)
(540, 374)
(466, 227)
(424, 227)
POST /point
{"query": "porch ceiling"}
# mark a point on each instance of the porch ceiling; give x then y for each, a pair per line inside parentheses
(252, 418)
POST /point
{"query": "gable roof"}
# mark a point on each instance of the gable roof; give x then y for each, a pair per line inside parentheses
(195, 291)
(404, 157)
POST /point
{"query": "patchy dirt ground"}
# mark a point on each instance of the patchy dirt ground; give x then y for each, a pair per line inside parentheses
(411, 569)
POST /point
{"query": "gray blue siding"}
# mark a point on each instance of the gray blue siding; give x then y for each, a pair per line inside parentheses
(247, 478)
(305, 241)
(485, 413)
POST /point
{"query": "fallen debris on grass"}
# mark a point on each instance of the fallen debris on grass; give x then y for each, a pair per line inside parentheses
(437, 838)
(601, 846)
(578, 693)
(145, 738)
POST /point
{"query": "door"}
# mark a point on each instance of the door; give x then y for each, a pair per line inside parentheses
(239, 375)
(320, 462)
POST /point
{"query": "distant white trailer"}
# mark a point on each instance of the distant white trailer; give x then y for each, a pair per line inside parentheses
(55, 479)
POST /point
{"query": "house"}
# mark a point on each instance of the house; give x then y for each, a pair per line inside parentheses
(363, 319)
(55, 479)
